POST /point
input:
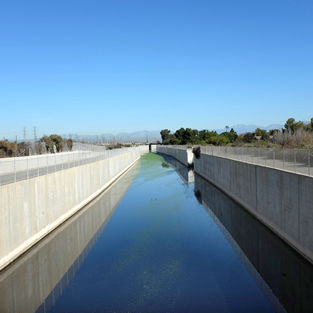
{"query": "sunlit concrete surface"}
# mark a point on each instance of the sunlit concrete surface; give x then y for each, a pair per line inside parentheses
(39, 277)
(20, 168)
(180, 153)
(293, 160)
(281, 199)
(32, 208)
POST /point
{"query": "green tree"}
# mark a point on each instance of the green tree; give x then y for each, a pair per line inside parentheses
(248, 137)
(291, 125)
(298, 125)
(272, 132)
(48, 143)
(219, 140)
(171, 140)
(165, 133)
(262, 133)
(58, 142)
(53, 141)
(231, 135)
(180, 135)
(205, 135)
(186, 136)
(195, 137)
(7, 148)
(258, 132)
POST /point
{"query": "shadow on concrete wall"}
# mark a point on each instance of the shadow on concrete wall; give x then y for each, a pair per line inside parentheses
(48, 267)
(288, 275)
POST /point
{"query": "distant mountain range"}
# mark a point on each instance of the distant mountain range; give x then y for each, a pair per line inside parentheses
(154, 135)
(123, 137)
(242, 128)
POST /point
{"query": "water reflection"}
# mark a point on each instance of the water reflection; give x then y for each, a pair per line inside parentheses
(36, 280)
(161, 252)
(287, 274)
(185, 173)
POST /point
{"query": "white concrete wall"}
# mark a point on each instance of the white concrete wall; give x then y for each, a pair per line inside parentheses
(11, 165)
(258, 247)
(17, 164)
(182, 154)
(281, 200)
(71, 242)
(30, 209)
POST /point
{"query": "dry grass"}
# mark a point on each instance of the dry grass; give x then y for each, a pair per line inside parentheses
(299, 139)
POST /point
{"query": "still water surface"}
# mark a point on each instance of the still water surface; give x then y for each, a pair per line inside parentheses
(156, 243)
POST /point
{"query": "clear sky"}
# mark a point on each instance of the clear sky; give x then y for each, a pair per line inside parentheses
(91, 67)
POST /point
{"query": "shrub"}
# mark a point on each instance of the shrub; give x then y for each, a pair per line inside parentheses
(49, 143)
(55, 142)
(69, 143)
(248, 137)
(219, 140)
(7, 148)
(299, 138)
(58, 142)
(23, 148)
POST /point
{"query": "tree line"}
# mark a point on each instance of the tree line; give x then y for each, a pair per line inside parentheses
(184, 136)
(47, 144)
(294, 134)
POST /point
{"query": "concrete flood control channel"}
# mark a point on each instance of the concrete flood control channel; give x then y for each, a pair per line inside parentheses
(159, 240)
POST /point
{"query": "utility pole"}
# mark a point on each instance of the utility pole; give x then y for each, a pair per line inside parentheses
(16, 147)
(25, 145)
(35, 139)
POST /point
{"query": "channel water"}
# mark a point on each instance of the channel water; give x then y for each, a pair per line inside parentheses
(160, 239)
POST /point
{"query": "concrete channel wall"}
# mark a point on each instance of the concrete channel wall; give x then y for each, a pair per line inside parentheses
(182, 154)
(71, 242)
(280, 199)
(32, 208)
(11, 165)
(287, 277)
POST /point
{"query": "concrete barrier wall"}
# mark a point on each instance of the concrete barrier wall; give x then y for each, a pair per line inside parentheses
(11, 165)
(30, 209)
(183, 155)
(288, 276)
(71, 242)
(281, 200)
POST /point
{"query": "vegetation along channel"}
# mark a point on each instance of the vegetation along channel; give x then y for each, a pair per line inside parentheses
(160, 239)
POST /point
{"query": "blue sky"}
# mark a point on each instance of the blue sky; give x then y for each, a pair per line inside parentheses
(91, 67)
